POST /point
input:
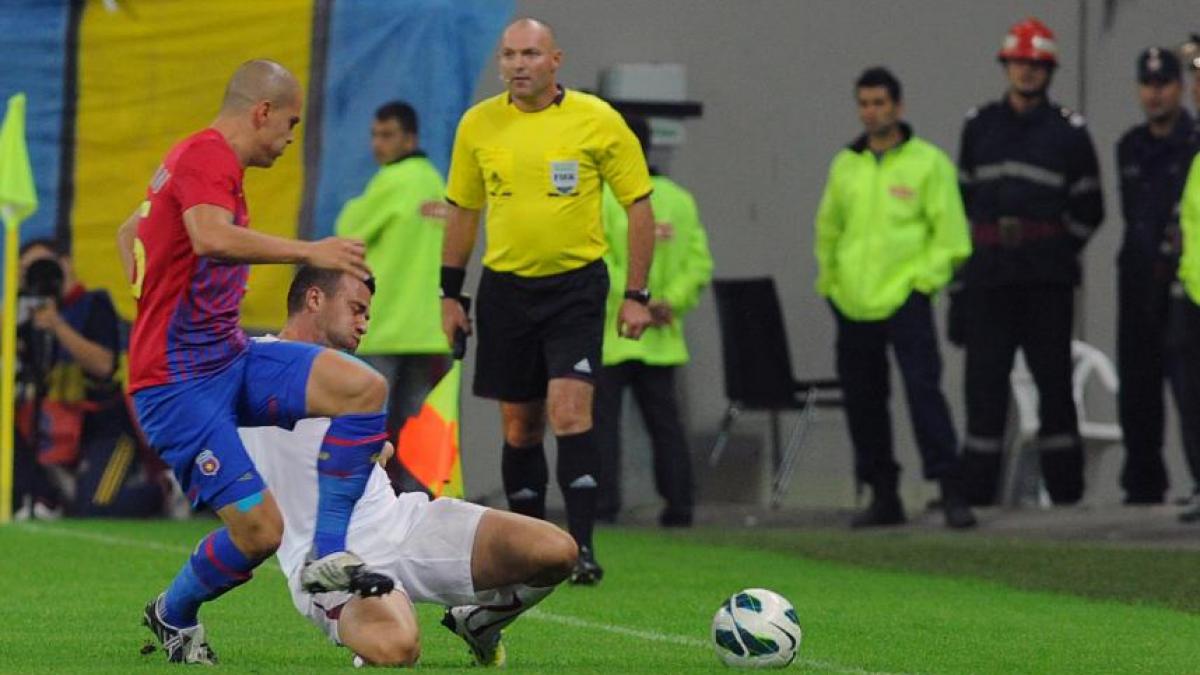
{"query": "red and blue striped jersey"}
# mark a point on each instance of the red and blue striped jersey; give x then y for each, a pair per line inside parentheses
(188, 319)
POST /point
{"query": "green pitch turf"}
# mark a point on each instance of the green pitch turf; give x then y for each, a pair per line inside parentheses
(72, 594)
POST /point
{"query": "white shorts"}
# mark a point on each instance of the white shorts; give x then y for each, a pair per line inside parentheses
(430, 561)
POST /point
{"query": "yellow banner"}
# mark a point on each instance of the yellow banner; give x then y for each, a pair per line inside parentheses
(150, 74)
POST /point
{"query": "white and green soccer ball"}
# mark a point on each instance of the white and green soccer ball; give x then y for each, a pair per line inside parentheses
(756, 628)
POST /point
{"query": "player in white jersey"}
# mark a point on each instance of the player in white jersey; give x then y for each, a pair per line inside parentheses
(486, 566)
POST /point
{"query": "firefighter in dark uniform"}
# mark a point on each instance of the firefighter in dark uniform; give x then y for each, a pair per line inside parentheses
(1030, 183)
(1153, 160)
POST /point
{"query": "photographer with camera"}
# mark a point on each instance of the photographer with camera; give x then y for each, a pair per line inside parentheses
(67, 394)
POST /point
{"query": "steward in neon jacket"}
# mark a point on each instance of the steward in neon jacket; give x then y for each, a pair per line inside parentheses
(888, 226)
(397, 216)
(1189, 223)
(681, 268)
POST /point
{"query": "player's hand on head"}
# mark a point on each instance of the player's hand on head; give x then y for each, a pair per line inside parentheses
(339, 253)
(633, 319)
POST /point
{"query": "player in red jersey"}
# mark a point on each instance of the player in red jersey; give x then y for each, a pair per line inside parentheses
(195, 378)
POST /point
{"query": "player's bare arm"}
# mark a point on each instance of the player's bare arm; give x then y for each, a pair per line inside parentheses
(214, 235)
(125, 237)
(462, 226)
(635, 317)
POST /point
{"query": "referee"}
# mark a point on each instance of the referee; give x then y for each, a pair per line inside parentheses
(537, 156)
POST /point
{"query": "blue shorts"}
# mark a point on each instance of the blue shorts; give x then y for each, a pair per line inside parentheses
(194, 424)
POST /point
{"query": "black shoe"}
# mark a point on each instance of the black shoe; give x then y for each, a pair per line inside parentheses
(884, 510)
(954, 506)
(675, 518)
(587, 571)
(958, 515)
(182, 645)
(367, 584)
(1143, 499)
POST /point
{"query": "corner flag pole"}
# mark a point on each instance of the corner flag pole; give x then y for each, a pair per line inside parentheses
(8, 361)
(18, 200)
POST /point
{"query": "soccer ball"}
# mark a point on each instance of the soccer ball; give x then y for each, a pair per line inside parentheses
(756, 628)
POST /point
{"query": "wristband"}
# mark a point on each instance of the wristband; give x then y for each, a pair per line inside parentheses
(452, 281)
(638, 295)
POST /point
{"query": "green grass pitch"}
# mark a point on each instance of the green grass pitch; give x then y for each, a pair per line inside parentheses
(72, 594)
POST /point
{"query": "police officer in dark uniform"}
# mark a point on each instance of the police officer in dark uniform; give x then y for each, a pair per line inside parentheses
(1030, 183)
(1153, 160)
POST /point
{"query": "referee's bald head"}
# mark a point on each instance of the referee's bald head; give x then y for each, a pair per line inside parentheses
(528, 24)
(260, 80)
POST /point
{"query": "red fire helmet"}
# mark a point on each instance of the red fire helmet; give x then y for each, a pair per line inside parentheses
(1032, 40)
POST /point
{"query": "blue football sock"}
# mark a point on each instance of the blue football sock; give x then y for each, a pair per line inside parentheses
(215, 567)
(348, 453)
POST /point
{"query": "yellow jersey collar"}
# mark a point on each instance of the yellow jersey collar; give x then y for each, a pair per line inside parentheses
(562, 92)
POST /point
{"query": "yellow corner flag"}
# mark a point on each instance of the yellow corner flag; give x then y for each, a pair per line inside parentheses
(18, 200)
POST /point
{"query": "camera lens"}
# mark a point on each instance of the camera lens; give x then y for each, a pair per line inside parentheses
(43, 278)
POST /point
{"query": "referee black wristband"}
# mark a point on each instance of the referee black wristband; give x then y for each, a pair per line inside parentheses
(452, 281)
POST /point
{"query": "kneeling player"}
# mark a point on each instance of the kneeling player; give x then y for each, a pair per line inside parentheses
(487, 566)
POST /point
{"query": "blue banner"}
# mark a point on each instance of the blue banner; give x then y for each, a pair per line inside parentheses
(428, 53)
(34, 34)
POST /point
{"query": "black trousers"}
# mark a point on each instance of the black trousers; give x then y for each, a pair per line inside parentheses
(1183, 347)
(1037, 320)
(654, 391)
(410, 379)
(862, 366)
(1144, 359)
(30, 479)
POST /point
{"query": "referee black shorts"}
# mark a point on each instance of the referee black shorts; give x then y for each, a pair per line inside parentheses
(534, 329)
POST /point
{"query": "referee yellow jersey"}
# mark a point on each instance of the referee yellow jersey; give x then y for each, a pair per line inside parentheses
(540, 175)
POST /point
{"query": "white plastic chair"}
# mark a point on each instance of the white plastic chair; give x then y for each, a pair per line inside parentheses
(1097, 436)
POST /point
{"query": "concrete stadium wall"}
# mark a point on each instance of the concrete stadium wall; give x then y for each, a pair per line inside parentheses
(775, 77)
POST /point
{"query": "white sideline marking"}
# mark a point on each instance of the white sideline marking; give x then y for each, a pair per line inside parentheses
(120, 541)
(652, 636)
(538, 614)
(682, 640)
(103, 538)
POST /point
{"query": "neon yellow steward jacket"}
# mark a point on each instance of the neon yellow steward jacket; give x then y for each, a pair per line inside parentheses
(681, 268)
(1189, 224)
(393, 216)
(888, 226)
